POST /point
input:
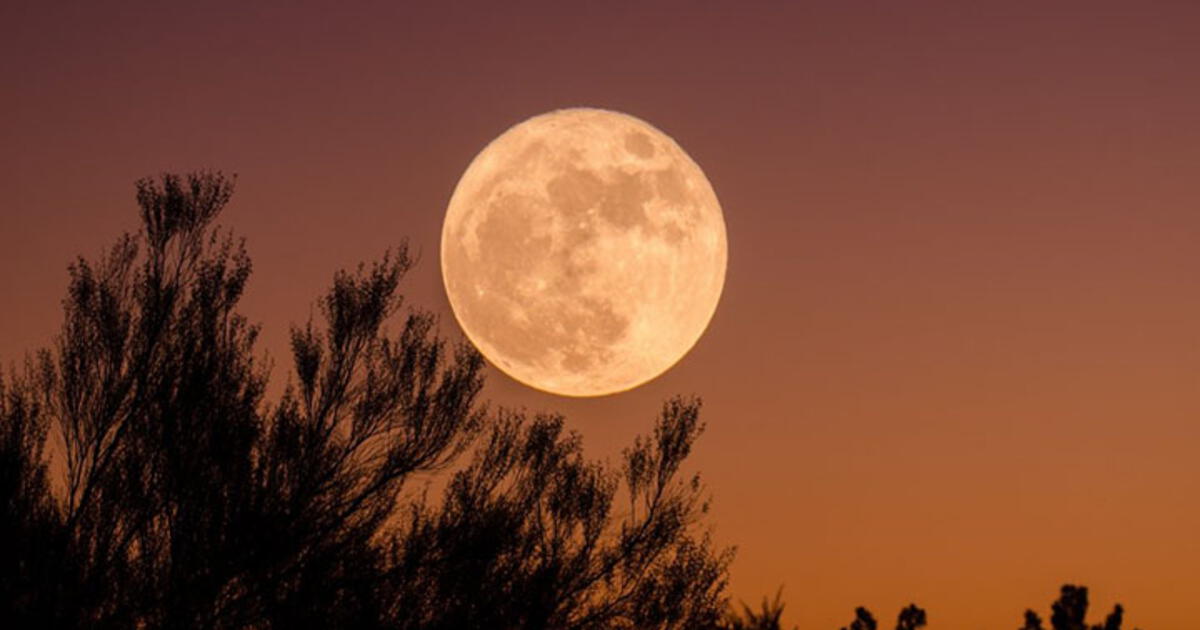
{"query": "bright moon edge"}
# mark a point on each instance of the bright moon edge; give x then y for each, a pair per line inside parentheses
(583, 252)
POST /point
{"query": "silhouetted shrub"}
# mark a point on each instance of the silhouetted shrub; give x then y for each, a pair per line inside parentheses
(1068, 613)
(862, 620)
(188, 500)
(911, 618)
(182, 498)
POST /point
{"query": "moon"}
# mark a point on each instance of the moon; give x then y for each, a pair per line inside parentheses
(583, 252)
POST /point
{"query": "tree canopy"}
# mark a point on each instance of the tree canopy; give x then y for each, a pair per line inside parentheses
(180, 496)
(147, 480)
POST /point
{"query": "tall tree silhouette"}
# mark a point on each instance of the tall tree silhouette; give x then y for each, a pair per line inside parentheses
(189, 500)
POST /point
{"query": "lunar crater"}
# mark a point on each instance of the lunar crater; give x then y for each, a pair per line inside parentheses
(639, 144)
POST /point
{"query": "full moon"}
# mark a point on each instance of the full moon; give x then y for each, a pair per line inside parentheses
(583, 252)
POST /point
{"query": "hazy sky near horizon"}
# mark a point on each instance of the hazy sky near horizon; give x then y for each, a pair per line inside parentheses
(957, 357)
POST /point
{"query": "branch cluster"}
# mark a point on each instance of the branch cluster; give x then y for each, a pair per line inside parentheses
(184, 498)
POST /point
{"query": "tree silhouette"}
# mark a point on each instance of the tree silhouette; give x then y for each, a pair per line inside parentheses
(146, 481)
(911, 618)
(29, 529)
(1069, 611)
(862, 620)
(186, 499)
(526, 539)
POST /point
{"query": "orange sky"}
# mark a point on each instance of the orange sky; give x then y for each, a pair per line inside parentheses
(956, 361)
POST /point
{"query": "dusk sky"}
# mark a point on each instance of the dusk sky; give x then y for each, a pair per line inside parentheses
(957, 356)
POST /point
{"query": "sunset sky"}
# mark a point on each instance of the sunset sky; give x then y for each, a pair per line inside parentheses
(957, 356)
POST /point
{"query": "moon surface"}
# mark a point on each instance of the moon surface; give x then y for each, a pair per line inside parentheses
(583, 252)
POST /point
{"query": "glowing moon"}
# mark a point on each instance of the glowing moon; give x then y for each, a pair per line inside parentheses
(583, 252)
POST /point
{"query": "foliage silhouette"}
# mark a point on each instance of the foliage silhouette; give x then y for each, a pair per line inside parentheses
(862, 620)
(1068, 613)
(183, 498)
(174, 494)
(911, 618)
(769, 617)
(1032, 621)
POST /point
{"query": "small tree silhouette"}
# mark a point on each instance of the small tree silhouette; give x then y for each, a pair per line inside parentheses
(188, 500)
(1069, 611)
(862, 620)
(911, 618)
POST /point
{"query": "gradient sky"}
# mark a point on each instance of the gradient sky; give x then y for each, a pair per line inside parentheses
(956, 360)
